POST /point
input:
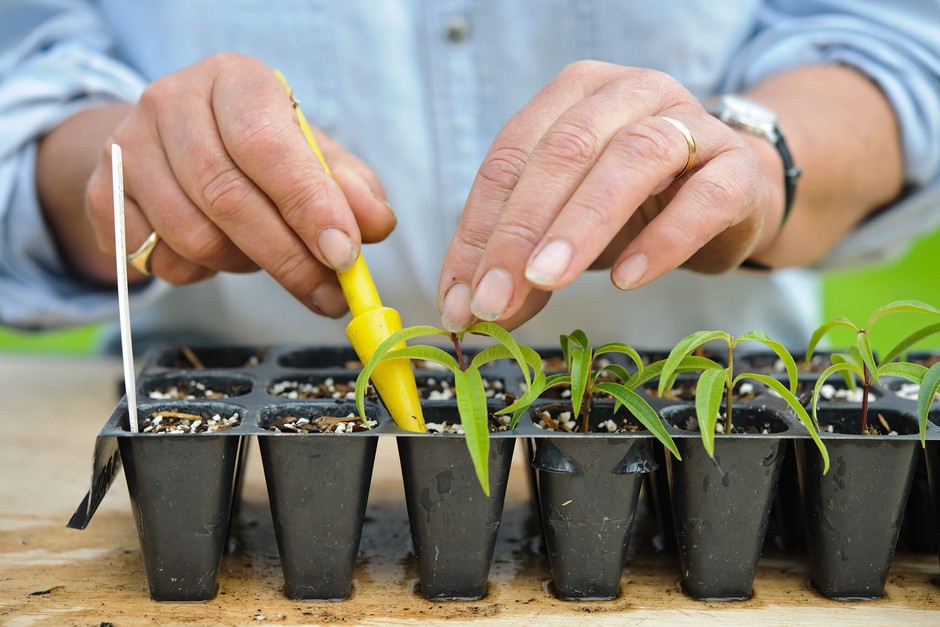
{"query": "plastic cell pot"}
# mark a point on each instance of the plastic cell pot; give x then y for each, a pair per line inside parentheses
(453, 523)
(853, 513)
(318, 486)
(721, 505)
(588, 487)
(181, 490)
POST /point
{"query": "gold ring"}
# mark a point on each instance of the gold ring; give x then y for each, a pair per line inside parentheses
(688, 140)
(140, 258)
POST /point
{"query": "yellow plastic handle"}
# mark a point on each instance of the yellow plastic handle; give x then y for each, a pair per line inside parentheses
(371, 323)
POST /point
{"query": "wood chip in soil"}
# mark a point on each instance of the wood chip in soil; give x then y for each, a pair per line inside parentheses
(321, 424)
(177, 422)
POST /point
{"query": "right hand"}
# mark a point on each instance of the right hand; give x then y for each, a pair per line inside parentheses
(215, 162)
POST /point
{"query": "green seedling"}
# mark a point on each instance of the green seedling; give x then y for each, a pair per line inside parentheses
(859, 363)
(468, 383)
(717, 382)
(613, 379)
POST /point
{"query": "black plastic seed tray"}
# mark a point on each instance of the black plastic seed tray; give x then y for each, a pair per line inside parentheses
(185, 487)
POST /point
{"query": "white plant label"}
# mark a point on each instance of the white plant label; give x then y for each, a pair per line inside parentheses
(120, 247)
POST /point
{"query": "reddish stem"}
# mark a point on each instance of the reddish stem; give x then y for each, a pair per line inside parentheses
(460, 360)
(866, 385)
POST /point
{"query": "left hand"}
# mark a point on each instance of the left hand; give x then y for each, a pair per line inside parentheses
(584, 176)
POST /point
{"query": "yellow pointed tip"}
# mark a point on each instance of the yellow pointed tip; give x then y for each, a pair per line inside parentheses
(394, 380)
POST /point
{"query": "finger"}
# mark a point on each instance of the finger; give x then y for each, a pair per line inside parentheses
(363, 190)
(372, 212)
(215, 184)
(494, 184)
(164, 262)
(717, 206)
(182, 227)
(261, 133)
(99, 209)
(559, 163)
(535, 302)
(640, 160)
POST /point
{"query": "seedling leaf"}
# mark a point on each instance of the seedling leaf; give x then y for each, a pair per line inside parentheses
(913, 306)
(615, 369)
(580, 367)
(912, 372)
(581, 339)
(850, 357)
(929, 387)
(623, 349)
(474, 416)
(863, 344)
(638, 406)
(828, 372)
(519, 407)
(488, 354)
(654, 370)
(794, 403)
(708, 394)
(501, 335)
(685, 346)
(825, 328)
(910, 340)
(779, 349)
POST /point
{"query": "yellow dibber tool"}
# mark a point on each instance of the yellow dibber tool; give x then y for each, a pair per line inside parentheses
(372, 323)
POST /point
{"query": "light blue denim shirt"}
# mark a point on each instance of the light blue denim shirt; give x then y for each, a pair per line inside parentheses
(419, 89)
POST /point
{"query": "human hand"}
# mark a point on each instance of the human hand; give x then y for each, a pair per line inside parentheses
(216, 164)
(584, 176)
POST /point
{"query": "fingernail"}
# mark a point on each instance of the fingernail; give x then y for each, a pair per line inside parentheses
(337, 249)
(492, 295)
(455, 310)
(628, 273)
(328, 299)
(384, 202)
(387, 206)
(550, 263)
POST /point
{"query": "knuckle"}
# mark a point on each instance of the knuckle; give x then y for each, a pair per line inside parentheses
(287, 267)
(571, 145)
(227, 60)
(593, 217)
(224, 190)
(205, 245)
(260, 135)
(643, 143)
(577, 69)
(299, 195)
(719, 196)
(518, 233)
(472, 237)
(502, 168)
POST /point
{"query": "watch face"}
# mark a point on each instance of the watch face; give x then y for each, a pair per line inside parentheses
(749, 113)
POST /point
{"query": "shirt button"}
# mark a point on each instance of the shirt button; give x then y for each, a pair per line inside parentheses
(457, 29)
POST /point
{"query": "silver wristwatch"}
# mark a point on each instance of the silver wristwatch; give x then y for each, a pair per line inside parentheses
(756, 119)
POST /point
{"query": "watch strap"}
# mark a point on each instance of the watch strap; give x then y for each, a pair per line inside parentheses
(791, 174)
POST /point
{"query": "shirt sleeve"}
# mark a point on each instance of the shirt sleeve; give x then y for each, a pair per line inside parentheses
(897, 45)
(54, 62)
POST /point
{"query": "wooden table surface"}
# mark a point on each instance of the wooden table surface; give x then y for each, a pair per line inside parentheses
(52, 408)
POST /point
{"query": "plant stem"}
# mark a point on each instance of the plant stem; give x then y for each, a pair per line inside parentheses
(586, 408)
(729, 387)
(866, 385)
(460, 360)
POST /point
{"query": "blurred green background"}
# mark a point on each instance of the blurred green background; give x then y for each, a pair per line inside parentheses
(848, 293)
